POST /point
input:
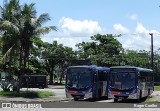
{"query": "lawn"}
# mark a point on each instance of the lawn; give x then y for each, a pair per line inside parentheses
(150, 99)
(28, 94)
(157, 88)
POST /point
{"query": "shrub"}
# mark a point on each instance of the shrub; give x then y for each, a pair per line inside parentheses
(6, 86)
(27, 94)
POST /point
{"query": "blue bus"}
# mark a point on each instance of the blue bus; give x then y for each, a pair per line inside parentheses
(86, 82)
(128, 82)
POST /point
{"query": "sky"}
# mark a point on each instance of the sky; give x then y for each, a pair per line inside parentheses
(78, 20)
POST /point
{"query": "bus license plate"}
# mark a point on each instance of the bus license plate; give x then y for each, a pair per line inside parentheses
(115, 92)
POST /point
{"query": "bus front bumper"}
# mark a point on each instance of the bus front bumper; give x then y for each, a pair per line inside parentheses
(131, 96)
(79, 95)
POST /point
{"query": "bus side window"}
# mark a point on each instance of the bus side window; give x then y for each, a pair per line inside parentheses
(105, 75)
(101, 76)
(142, 77)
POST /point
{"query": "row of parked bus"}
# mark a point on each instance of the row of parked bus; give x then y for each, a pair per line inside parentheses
(117, 82)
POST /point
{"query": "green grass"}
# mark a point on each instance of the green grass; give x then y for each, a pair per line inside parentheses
(157, 88)
(150, 99)
(28, 94)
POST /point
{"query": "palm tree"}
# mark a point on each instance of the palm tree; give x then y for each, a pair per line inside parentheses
(32, 27)
(19, 25)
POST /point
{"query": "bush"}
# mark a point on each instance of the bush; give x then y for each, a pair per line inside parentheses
(6, 86)
(156, 83)
(157, 88)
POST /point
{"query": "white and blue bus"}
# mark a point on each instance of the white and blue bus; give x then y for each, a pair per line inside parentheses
(127, 82)
(86, 82)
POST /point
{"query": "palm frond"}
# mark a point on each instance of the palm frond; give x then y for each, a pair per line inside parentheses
(43, 18)
(33, 22)
(53, 28)
(12, 6)
(45, 30)
(7, 25)
(29, 11)
(4, 58)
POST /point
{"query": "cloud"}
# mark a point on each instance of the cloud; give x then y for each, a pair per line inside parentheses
(141, 29)
(137, 42)
(133, 16)
(141, 40)
(75, 31)
(77, 27)
(120, 28)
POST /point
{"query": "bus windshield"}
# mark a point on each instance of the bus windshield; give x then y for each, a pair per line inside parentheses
(78, 77)
(123, 80)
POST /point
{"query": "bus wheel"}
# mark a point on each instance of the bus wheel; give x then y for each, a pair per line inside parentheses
(140, 96)
(76, 99)
(99, 93)
(115, 100)
(148, 92)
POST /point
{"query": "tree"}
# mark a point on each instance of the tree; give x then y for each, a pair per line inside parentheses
(104, 50)
(56, 55)
(136, 58)
(19, 24)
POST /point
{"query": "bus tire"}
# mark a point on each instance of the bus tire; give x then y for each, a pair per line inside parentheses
(148, 92)
(140, 96)
(99, 93)
(115, 100)
(76, 99)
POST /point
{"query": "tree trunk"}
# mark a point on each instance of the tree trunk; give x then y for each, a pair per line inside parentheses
(20, 63)
(61, 74)
(61, 77)
(21, 68)
(51, 76)
(24, 60)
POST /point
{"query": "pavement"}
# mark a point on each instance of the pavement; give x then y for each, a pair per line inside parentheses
(156, 95)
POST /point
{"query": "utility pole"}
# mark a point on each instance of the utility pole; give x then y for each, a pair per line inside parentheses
(152, 56)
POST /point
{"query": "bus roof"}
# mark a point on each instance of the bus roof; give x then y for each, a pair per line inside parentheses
(138, 68)
(91, 66)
